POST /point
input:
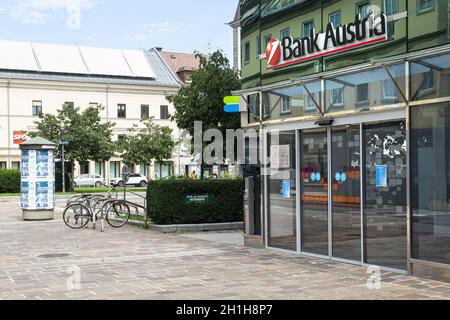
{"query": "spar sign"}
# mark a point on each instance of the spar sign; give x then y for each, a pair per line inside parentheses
(19, 137)
(289, 51)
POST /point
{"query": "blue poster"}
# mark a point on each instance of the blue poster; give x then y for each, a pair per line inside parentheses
(286, 192)
(24, 190)
(42, 169)
(381, 176)
(343, 177)
(24, 166)
(42, 195)
(338, 176)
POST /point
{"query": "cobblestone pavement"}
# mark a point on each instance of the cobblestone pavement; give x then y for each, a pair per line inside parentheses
(133, 263)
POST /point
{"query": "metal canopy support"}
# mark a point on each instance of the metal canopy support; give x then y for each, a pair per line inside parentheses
(274, 106)
(251, 108)
(395, 83)
(313, 99)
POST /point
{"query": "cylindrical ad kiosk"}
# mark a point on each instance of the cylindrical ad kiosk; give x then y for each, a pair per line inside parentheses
(37, 186)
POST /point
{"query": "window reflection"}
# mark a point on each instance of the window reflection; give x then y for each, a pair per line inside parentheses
(430, 174)
(364, 89)
(430, 78)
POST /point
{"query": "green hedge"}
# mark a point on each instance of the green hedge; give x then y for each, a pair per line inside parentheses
(168, 204)
(9, 181)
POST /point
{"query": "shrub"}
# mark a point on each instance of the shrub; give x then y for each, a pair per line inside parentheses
(168, 202)
(9, 181)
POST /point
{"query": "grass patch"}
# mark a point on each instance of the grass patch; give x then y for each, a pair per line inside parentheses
(83, 190)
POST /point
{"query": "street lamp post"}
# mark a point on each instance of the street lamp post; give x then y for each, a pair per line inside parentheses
(63, 162)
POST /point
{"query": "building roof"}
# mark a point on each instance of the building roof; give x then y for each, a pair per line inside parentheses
(179, 62)
(38, 61)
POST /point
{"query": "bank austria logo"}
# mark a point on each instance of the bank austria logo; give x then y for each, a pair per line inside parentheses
(362, 32)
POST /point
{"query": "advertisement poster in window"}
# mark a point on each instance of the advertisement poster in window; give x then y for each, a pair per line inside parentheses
(381, 176)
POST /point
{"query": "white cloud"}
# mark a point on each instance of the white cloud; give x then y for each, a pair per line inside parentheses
(39, 11)
(147, 31)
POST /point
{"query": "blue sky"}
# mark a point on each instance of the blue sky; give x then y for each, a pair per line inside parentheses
(176, 25)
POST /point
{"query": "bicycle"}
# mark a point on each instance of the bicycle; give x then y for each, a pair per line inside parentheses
(78, 215)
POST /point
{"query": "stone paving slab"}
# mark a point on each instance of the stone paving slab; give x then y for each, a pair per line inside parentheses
(134, 263)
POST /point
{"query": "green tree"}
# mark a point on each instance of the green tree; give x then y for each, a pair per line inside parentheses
(147, 143)
(89, 137)
(202, 100)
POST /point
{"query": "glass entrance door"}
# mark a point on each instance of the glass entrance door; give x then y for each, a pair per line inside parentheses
(346, 192)
(314, 191)
(353, 193)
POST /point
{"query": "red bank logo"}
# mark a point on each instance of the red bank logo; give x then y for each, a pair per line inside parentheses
(273, 52)
(19, 137)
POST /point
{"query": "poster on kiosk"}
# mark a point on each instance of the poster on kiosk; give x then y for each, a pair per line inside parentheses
(37, 179)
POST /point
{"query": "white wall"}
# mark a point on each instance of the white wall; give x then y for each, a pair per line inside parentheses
(54, 94)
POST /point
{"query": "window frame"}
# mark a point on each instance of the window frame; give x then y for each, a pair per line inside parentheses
(428, 90)
(33, 108)
(247, 54)
(427, 10)
(304, 24)
(119, 105)
(258, 46)
(334, 13)
(94, 105)
(383, 89)
(148, 111)
(288, 100)
(362, 102)
(331, 96)
(361, 3)
(287, 30)
(161, 112)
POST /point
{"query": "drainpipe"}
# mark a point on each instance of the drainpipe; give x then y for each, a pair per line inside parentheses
(8, 165)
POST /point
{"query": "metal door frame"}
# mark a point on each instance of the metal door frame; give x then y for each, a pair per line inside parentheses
(397, 114)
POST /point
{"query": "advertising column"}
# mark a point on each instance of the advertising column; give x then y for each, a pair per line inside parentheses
(38, 179)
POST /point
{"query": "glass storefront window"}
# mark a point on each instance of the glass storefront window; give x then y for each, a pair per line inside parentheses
(430, 182)
(163, 170)
(430, 78)
(385, 194)
(365, 89)
(282, 191)
(292, 101)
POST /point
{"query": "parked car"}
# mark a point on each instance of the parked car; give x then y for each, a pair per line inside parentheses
(135, 179)
(89, 180)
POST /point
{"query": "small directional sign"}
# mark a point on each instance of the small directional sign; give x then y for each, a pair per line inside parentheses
(231, 104)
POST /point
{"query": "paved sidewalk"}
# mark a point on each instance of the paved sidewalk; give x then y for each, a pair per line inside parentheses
(37, 261)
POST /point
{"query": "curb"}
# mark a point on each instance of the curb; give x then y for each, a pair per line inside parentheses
(174, 228)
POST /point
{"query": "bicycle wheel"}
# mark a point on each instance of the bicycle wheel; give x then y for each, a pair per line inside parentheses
(117, 214)
(76, 216)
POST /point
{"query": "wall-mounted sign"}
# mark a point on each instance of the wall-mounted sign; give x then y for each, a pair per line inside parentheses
(381, 176)
(289, 51)
(19, 137)
(199, 198)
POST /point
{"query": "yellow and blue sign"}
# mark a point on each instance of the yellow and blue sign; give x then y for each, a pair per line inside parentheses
(231, 104)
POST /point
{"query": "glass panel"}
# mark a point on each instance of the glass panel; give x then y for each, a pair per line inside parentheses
(365, 89)
(281, 189)
(346, 193)
(385, 195)
(292, 101)
(430, 177)
(430, 78)
(314, 197)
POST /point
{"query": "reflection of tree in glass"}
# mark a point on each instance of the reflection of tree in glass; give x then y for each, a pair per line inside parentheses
(393, 144)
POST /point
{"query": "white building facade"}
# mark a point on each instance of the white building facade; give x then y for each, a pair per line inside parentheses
(130, 85)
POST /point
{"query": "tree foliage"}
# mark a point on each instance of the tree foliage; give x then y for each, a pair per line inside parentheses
(147, 143)
(202, 100)
(89, 137)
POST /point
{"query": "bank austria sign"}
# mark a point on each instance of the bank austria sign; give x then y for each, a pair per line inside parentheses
(362, 32)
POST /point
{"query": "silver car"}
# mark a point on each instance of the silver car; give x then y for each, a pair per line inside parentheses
(89, 180)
